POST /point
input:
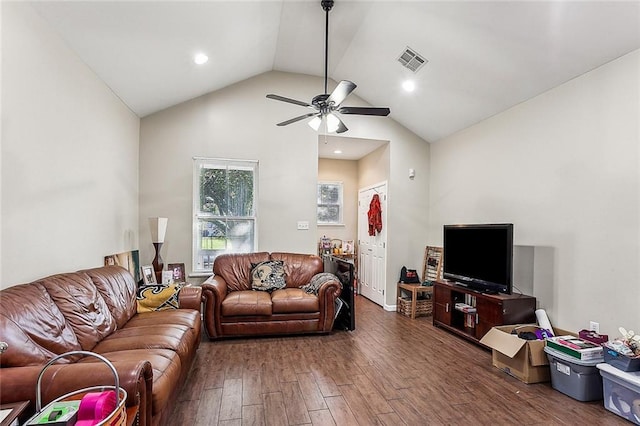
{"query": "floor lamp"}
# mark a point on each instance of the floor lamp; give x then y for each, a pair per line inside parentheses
(158, 229)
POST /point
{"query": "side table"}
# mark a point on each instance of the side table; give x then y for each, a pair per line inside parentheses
(415, 289)
(13, 415)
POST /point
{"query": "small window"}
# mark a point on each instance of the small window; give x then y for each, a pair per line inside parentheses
(224, 205)
(329, 203)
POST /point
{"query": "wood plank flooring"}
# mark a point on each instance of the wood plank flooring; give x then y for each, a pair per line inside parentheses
(390, 371)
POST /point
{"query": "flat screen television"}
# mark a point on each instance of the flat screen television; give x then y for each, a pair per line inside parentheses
(479, 256)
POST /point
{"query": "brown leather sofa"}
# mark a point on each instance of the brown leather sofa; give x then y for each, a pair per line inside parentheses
(233, 309)
(95, 310)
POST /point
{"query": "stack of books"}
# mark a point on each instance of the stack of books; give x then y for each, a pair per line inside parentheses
(468, 309)
(576, 347)
(470, 320)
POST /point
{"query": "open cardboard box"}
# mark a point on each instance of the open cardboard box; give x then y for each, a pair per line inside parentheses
(522, 359)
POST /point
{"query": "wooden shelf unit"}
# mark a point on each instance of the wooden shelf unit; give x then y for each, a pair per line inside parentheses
(491, 310)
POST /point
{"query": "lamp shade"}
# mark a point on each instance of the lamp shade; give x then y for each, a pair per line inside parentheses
(328, 123)
(158, 227)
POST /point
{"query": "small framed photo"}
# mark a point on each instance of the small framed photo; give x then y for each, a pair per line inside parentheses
(167, 277)
(178, 271)
(347, 247)
(148, 275)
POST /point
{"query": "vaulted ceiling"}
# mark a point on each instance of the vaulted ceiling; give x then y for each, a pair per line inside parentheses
(483, 57)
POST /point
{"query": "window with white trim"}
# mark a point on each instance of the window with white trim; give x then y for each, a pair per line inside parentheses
(329, 203)
(225, 194)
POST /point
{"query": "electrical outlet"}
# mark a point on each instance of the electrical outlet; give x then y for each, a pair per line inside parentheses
(594, 326)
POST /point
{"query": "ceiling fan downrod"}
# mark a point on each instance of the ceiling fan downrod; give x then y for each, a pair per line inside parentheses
(327, 5)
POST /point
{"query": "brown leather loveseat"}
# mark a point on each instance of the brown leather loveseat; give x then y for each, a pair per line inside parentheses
(95, 310)
(233, 308)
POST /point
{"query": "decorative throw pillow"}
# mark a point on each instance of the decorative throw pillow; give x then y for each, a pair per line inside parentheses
(158, 297)
(316, 282)
(267, 275)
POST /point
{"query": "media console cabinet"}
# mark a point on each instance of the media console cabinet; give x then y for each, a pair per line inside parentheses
(471, 314)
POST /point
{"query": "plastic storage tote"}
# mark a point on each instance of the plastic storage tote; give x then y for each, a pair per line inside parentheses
(621, 392)
(574, 377)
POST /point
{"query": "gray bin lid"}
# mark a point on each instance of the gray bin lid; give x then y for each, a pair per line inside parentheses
(571, 359)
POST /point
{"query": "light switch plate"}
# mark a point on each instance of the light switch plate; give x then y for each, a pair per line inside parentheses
(303, 225)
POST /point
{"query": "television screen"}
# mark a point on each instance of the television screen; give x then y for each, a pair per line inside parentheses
(479, 256)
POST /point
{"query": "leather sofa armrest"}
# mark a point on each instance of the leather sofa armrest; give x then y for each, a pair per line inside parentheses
(190, 297)
(327, 295)
(214, 291)
(136, 378)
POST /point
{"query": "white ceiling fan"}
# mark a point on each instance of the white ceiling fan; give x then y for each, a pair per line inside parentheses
(326, 106)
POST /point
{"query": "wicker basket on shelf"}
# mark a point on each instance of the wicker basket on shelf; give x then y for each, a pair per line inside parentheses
(424, 307)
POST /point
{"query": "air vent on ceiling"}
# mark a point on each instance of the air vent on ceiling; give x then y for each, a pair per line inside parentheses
(412, 60)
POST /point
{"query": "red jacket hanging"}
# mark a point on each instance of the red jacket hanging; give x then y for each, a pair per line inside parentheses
(375, 215)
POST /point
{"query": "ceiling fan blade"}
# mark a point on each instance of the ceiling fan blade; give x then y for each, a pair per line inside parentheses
(293, 120)
(340, 93)
(289, 100)
(341, 127)
(364, 110)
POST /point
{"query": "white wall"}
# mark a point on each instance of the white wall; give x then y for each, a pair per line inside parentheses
(239, 122)
(69, 157)
(407, 199)
(564, 167)
(345, 171)
(374, 167)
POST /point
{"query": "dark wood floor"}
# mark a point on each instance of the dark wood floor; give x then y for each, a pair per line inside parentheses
(390, 371)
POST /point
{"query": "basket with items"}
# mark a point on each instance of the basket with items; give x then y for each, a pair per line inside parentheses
(424, 307)
(94, 406)
(623, 352)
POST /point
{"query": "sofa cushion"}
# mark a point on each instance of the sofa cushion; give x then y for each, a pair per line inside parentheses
(236, 268)
(33, 327)
(247, 302)
(299, 268)
(82, 306)
(291, 300)
(157, 322)
(118, 288)
(178, 330)
(267, 275)
(162, 336)
(187, 317)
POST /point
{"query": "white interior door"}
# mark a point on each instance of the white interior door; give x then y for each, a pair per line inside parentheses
(372, 248)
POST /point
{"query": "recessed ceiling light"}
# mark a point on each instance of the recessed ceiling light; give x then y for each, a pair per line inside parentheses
(409, 86)
(337, 151)
(200, 58)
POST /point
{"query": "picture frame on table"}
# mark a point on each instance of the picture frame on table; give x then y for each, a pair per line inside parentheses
(178, 272)
(148, 275)
(167, 277)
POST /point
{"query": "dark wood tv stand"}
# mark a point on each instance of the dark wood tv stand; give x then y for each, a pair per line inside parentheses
(490, 310)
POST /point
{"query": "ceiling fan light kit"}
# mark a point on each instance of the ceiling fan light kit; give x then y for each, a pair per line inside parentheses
(327, 105)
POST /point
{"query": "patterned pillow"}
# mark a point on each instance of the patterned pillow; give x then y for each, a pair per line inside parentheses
(267, 275)
(316, 282)
(158, 297)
